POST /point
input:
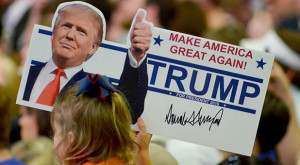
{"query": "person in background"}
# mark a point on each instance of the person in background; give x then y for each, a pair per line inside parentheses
(19, 16)
(35, 147)
(188, 18)
(160, 12)
(283, 13)
(5, 115)
(289, 147)
(273, 14)
(121, 19)
(272, 127)
(283, 43)
(10, 80)
(222, 25)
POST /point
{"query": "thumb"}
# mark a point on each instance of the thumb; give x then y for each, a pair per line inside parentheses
(142, 126)
(140, 16)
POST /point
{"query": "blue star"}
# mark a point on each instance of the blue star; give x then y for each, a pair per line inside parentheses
(157, 40)
(261, 63)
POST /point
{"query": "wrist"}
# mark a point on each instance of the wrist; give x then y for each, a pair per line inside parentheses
(138, 55)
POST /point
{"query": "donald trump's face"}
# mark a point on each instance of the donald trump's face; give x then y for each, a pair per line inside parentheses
(74, 38)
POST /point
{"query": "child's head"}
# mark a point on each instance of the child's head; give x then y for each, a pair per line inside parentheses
(88, 128)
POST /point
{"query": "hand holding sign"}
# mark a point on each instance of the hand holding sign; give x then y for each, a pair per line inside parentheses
(143, 140)
(140, 36)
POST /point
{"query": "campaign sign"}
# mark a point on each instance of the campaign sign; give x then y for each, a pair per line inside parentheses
(204, 91)
(199, 90)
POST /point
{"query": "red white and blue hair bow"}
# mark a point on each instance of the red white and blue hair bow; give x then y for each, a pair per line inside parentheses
(95, 84)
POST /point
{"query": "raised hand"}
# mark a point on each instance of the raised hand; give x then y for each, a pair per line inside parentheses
(140, 36)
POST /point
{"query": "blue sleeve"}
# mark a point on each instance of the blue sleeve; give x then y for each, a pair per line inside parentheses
(134, 84)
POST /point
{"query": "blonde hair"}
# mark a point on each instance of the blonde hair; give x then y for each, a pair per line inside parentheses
(79, 8)
(102, 128)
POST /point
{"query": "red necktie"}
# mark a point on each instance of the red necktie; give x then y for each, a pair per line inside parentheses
(48, 95)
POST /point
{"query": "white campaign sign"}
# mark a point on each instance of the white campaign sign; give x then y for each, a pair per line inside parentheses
(200, 90)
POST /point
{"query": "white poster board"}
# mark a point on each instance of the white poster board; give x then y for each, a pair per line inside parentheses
(201, 91)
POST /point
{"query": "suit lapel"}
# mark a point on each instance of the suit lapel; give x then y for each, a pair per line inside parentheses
(34, 71)
(78, 76)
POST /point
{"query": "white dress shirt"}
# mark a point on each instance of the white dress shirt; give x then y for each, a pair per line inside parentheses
(133, 63)
(47, 74)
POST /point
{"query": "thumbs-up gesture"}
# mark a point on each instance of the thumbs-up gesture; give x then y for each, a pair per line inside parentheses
(140, 36)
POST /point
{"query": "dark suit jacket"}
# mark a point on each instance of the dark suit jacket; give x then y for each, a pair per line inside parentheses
(133, 83)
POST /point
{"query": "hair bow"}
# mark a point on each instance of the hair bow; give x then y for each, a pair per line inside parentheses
(95, 85)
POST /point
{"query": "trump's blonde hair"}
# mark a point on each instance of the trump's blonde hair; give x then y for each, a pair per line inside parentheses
(101, 128)
(82, 9)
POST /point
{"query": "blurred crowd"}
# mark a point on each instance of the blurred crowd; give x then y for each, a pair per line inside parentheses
(266, 25)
